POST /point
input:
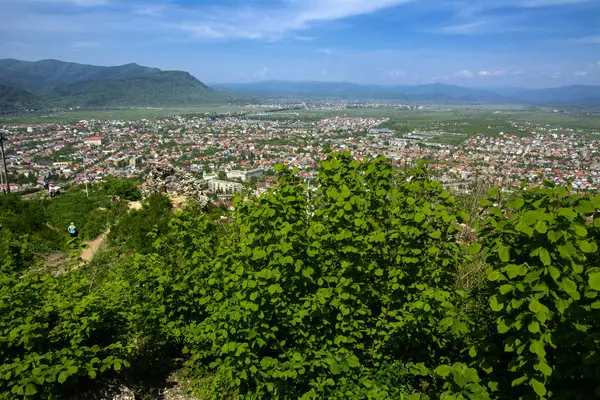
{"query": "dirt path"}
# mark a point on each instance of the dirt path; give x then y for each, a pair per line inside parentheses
(88, 254)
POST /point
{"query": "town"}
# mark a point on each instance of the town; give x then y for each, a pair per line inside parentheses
(227, 154)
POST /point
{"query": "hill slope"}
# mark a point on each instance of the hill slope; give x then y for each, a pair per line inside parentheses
(37, 75)
(15, 100)
(64, 84)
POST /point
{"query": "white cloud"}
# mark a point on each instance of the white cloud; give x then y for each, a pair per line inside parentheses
(547, 3)
(324, 51)
(518, 72)
(462, 29)
(84, 3)
(303, 38)
(275, 21)
(262, 74)
(395, 73)
(491, 73)
(465, 73)
(580, 73)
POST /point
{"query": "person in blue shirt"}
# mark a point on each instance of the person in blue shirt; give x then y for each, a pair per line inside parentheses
(72, 230)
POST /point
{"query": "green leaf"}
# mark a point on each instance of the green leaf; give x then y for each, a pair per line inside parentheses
(587, 247)
(474, 248)
(334, 367)
(538, 387)
(536, 347)
(554, 273)
(62, 378)
(541, 226)
(443, 370)
(275, 289)
(517, 203)
(554, 236)
(580, 230)
(30, 389)
(567, 213)
(506, 289)
(494, 276)
(545, 369)
(594, 281)
(535, 306)
(533, 327)
(504, 253)
(495, 305)
(571, 288)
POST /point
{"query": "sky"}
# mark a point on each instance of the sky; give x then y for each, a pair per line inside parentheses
(477, 43)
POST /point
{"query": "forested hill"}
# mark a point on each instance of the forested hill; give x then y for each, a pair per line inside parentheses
(15, 100)
(376, 285)
(63, 84)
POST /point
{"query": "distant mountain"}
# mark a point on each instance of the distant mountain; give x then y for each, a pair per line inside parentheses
(59, 84)
(566, 95)
(441, 93)
(15, 100)
(353, 91)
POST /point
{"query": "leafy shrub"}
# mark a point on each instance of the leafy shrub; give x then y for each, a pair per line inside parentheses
(137, 229)
(54, 333)
(309, 292)
(543, 292)
(126, 189)
(347, 291)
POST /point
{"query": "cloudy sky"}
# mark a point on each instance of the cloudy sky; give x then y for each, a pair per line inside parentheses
(484, 43)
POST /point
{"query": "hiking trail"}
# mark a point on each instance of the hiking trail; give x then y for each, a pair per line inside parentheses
(88, 253)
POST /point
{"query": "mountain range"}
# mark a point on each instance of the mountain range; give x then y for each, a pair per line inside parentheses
(51, 83)
(47, 84)
(441, 93)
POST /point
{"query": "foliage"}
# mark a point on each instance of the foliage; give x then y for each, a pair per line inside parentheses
(543, 292)
(27, 218)
(351, 290)
(135, 230)
(126, 189)
(91, 212)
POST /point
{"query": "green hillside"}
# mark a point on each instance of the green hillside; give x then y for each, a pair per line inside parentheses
(63, 84)
(37, 75)
(163, 88)
(15, 100)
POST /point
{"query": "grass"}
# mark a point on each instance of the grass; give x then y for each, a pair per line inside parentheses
(131, 114)
(90, 214)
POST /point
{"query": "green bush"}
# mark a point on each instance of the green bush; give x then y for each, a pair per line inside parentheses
(126, 189)
(348, 291)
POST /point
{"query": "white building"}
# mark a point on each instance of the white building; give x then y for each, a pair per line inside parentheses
(219, 186)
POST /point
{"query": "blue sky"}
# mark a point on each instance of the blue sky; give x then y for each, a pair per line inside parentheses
(483, 43)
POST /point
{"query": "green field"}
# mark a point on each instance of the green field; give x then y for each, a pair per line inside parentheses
(132, 114)
(476, 119)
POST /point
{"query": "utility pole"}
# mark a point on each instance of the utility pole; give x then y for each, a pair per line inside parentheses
(85, 177)
(4, 161)
(2, 180)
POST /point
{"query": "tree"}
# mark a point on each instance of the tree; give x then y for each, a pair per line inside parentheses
(124, 188)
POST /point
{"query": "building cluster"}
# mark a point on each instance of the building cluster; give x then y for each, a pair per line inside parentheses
(227, 154)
